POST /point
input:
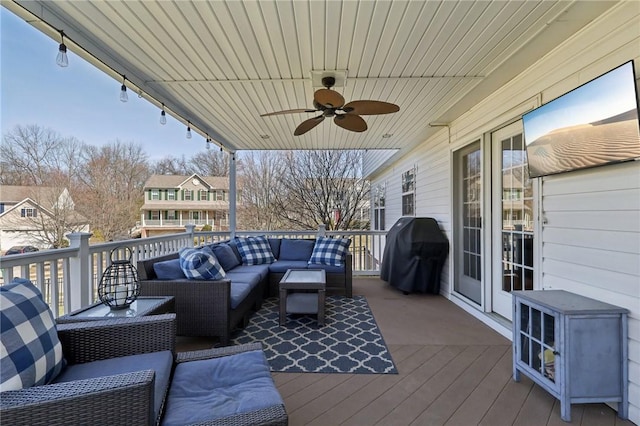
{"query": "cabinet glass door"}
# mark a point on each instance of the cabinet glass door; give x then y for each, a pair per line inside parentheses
(537, 341)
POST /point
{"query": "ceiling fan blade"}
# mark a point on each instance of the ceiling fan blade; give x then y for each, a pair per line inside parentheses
(370, 107)
(307, 125)
(351, 122)
(288, 111)
(328, 98)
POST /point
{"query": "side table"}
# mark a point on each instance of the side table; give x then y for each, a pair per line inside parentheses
(301, 301)
(140, 307)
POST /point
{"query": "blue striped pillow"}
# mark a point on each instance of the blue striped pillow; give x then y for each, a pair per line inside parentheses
(329, 251)
(30, 353)
(254, 250)
(200, 264)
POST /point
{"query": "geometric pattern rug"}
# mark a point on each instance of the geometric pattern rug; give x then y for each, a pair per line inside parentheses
(349, 342)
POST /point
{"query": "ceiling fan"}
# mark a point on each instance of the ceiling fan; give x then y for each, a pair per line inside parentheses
(331, 104)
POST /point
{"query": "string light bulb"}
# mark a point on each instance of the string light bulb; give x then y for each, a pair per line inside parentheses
(62, 60)
(189, 131)
(124, 97)
(163, 116)
(208, 143)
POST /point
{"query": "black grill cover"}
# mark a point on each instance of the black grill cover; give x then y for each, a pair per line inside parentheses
(414, 255)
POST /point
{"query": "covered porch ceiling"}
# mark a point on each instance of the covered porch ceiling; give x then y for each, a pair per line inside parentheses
(218, 65)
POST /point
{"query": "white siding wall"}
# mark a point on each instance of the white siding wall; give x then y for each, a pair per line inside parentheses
(591, 241)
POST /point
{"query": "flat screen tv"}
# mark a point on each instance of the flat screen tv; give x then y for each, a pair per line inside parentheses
(593, 125)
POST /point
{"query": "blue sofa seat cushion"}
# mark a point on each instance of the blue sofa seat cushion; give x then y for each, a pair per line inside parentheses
(281, 266)
(262, 270)
(220, 387)
(241, 285)
(160, 362)
(30, 353)
(296, 249)
(329, 269)
(169, 270)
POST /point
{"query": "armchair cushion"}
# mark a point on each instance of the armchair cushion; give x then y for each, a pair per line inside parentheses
(330, 251)
(254, 250)
(159, 362)
(205, 390)
(31, 352)
(200, 264)
(295, 249)
(226, 256)
(169, 270)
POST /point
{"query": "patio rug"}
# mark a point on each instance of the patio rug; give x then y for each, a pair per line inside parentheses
(349, 342)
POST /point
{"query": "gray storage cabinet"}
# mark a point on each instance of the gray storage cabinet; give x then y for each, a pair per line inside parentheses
(572, 346)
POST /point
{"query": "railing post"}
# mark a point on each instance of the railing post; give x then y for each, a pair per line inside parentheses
(322, 230)
(79, 293)
(190, 227)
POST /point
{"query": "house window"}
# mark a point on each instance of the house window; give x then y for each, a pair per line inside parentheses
(154, 215)
(1, 207)
(409, 192)
(29, 212)
(171, 194)
(220, 195)
(188, 195)
(203, 195)
(171, 215)
(379, 196)
(155, 194)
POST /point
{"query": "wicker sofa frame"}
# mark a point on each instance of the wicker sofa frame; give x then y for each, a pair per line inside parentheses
(83, 402)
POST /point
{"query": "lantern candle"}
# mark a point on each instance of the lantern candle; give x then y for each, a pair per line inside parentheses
(121, 294)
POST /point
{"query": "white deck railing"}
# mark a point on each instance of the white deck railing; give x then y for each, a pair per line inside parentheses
(69, 277)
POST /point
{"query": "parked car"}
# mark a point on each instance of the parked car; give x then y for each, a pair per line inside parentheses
(20, 249)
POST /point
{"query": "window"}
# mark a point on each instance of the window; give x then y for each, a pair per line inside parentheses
(154, 215)
(188, 195)
(171, 215)
(408, 192)
(29, 212)
(203, 195)
(1, 207)
(155, 194)
(220, 195)
(379, 196)
(171, 194)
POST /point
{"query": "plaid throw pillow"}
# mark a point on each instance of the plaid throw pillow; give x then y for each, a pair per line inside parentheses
(254, 250)
(329, 251)
(200, 264)
(30, 351)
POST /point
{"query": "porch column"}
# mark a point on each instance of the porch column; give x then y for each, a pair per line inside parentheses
(79, 283)
(232, 194)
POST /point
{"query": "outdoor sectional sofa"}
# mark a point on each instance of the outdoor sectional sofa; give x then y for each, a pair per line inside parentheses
(214, 308)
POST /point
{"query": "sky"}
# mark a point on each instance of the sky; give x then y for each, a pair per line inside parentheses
(77, 101)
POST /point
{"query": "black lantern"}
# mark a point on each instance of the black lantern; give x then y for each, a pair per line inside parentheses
(119, 285)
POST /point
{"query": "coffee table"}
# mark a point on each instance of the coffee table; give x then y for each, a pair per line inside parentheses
(302, 291)
(140, 307)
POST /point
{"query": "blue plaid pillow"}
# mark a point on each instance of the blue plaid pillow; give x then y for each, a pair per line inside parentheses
(30, 353)
(329, 251)
(254, 250)
(200, 264)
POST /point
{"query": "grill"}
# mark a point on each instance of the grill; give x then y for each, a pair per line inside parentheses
(414, 255)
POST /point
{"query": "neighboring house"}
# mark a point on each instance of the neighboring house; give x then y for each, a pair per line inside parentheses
(577, 231)
(172, 201)
(37, 216)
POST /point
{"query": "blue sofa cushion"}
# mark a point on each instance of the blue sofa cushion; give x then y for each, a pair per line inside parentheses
(30, 353)
(330, 251)
(241, 285)
(294, 249)
(281, 266)
(226, 256)
(160, 362)
(220, 387)
(329, 269)
(262, 270)
(275, 246)
(169, 270)
(254, 250)
(200, 264)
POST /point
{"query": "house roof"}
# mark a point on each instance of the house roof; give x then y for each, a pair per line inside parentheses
(176, 181)
(219, 65)
(43, 194)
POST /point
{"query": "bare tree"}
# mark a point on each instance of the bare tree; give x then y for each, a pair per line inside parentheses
(323, 187)
(261, 174)
(172, 166)
(112, 188)
(210, 163)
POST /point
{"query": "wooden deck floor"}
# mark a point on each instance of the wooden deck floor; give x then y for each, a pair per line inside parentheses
(453, 370)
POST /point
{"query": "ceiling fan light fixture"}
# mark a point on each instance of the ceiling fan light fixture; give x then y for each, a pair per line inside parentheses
(387, 135)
